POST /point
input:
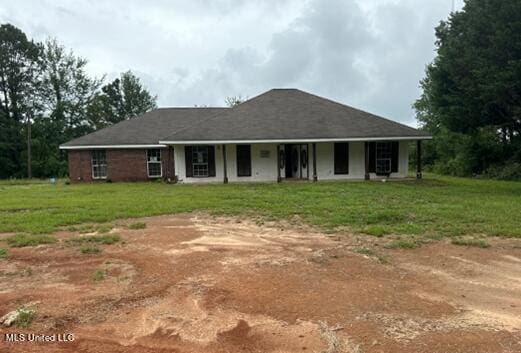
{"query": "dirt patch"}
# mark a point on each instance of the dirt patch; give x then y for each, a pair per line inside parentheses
(195, 283)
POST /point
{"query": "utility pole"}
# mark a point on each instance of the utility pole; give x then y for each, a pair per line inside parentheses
(29, 171)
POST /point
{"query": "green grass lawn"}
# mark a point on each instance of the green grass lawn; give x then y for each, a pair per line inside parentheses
(436, 206)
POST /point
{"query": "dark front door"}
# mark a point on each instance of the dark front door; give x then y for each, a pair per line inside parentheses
(296, 161)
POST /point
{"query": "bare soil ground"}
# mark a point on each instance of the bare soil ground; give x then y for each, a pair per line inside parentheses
(195, 283)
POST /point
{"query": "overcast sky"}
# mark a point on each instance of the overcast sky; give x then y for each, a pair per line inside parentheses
(369, 54)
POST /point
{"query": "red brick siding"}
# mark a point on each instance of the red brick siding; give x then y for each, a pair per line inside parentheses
(79, 166)
(122, 164)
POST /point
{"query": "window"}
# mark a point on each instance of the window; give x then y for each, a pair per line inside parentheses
(154, 167)
(243, 160)
(342, 158)
(99, 164)
(200, 161)
(383, 158)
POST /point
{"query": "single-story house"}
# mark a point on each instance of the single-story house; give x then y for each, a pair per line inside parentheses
(280, 134)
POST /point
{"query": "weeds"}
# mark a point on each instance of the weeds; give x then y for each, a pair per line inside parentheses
(25, 317)
(471, 242)
(89, 249)
(21, 240)
(90, 228)
(375, 230)
(103, 228)
(364, 251)
(106, 239)
(383, 260)
(3, 253)
(371, 253)
(137, 225)
(98, 275)
(404, 244)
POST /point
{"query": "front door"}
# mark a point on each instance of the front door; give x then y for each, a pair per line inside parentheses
(296, 161)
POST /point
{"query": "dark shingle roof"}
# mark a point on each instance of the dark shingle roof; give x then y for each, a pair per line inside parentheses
(292, 114)
(147, 128)
(279, 114)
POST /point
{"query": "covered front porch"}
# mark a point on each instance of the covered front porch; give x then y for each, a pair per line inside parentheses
(292, 160)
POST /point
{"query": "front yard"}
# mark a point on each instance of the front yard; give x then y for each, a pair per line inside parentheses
(434, 207)
(403, 266)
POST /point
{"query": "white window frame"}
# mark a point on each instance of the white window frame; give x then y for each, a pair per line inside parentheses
(155, 162)
(195, 149)
(387, 160)
(98, 165)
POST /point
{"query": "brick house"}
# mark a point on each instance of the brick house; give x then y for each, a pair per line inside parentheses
(280, 134)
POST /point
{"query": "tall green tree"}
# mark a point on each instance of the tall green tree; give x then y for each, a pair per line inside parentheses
(121, 99)
(65, 91)
(10, 145)
(50, 84)
(19, 70)
(471, 99)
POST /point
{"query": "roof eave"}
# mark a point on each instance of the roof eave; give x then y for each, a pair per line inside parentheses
(307, 140)
(124, 146)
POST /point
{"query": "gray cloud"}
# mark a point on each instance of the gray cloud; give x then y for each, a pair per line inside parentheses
(370, 54)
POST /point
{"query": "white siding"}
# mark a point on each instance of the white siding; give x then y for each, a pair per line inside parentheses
(262, 169)
(265, 169)
(325, 161)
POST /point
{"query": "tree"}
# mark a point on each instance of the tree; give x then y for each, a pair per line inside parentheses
(51, 84)
(233, 101)
(64, 92)
(10, 144)
(19, 68)
(66, 89)
(471, 98)
(121, 99)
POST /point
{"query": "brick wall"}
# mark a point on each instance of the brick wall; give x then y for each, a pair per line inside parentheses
(79, 166)
(122, 165)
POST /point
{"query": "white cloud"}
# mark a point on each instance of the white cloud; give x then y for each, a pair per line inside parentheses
(370, 54)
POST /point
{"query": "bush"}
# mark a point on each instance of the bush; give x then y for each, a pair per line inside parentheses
(3, 253)
(21, 240)
(509, 171)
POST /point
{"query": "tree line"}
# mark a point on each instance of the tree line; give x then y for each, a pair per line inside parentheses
(47, 98)
(471, 100)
